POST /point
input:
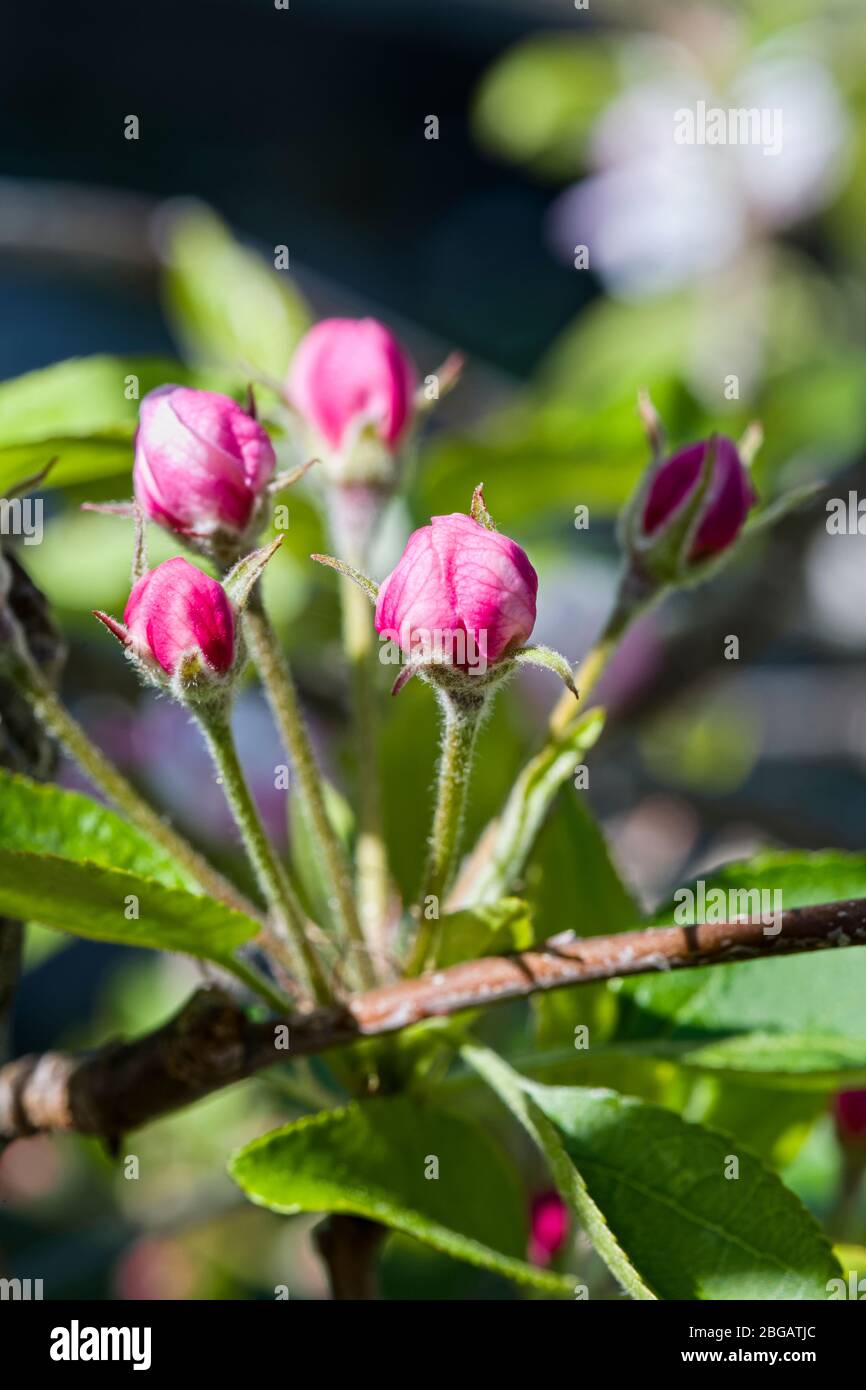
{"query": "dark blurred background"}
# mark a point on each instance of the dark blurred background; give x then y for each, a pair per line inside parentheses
(302, 126)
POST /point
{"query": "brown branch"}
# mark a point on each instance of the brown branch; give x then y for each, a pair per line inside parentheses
(212, 1043)
(349, 1246)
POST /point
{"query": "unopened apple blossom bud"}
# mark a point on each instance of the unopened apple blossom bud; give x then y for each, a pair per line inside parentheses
(176, 609)
(724, 507)
(456, 580)
(688, 512)
(548, 1227)
(179, 629)
(182, 629)
(459, 605)
(353, 385)
(202, 463)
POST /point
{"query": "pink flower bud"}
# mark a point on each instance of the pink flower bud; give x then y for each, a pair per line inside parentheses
(850, 1114)
(201, 462)
(350, 373)
(724, 509)
(548, 1227)
(176, 609)
(457, 579)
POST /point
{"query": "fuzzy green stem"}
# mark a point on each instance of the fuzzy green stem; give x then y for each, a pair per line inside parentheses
(461, 722)
(59, 723)
(354, 513)
(371, 858)
(272, 877)
(283, 699)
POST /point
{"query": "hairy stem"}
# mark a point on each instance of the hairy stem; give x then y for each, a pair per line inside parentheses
(461, 721)
(371, 859)
(353, 515)
(258, 983)
(272, 877)
(282, 697)
(103, 774)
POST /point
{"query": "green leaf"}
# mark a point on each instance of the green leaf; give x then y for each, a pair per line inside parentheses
(572, 881)
(774, 1131)
(78, 412)
(719, 1100)
(820, 993)
(512, 1090)
(593, 456)
(370, 1159)
(852, 1258)
(40, 944)
(78, 460)
(810, 1061)
(91, 901)
(44, 819)
(81, 396)
(489, 930)
(690, 1231)
(538, 103)
(228, 305)
(503, 855)
(614, 348)
(573, 884)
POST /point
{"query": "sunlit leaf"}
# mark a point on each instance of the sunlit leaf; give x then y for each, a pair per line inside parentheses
(113, 905)
(229, 306)
(659, 1194)
(370, 1159)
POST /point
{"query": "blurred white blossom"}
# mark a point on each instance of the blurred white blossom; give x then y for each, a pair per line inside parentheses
(657, 215)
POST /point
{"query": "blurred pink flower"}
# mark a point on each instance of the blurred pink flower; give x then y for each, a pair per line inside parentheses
(154, 1268)
(658, 215)
(849, 1108)
(548, 1227)
(348, 374)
